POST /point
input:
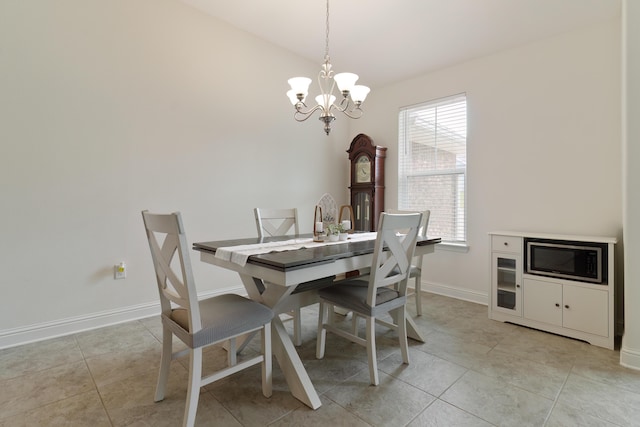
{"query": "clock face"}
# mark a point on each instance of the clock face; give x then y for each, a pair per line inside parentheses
(363, 169)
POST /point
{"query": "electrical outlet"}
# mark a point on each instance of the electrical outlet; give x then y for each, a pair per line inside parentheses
(120, 271)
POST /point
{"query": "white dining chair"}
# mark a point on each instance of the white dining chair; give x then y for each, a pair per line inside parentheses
(281, 222)
(276, 222)
(383, 293)
(416, 266)
(199, 323)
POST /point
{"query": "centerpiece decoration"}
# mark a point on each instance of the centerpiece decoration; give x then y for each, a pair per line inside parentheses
(336, 232)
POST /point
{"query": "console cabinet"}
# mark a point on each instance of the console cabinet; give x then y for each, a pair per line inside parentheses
(566, 307)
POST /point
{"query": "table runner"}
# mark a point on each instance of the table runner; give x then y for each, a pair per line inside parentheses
(241, 253)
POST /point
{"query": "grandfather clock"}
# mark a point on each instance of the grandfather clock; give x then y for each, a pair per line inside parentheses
(367, 182)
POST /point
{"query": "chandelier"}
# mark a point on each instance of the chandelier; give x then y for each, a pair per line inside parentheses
(352, 95)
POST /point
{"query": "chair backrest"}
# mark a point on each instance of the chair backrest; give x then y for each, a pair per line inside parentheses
(276, 222)
(170, 254)
(395, 246)
(424, 224)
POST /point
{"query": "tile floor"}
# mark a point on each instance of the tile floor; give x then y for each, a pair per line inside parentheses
(471, 371)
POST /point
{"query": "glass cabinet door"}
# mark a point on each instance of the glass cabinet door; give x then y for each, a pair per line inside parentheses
(507, 273)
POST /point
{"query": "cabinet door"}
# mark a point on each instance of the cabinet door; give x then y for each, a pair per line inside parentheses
(505, 283)
(586, 310)
(542, 301)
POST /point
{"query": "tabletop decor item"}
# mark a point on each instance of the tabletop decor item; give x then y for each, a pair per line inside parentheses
(335, 232)
(347, 223)
(318, 225)
(329, 208)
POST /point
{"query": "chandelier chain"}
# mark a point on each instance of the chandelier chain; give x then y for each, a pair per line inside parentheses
(326, 46)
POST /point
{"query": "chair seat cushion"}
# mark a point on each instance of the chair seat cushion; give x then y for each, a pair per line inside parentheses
(352, 295)
(222, 317)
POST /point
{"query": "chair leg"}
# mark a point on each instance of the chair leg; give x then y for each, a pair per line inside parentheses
(267, 362)
(297, 328)
(371, 350)
(418, 291)
(232, 352)
(354, 323)
(193, 390)
(322, 332)
(165, 364)
(331, 314)
(402, 334)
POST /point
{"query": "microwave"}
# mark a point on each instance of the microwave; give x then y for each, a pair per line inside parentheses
(572, 260)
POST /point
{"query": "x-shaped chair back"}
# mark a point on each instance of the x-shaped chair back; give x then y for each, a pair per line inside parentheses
(395, 246)
(276, 222)
(169, 251)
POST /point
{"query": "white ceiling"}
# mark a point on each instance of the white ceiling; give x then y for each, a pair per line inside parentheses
(390, 40)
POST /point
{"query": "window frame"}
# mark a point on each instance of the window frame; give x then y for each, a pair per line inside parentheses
(460, 215)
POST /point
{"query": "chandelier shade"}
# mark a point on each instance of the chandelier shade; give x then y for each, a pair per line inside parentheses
(351, 95)
(345, 81)
(359, 93)
(300, 85)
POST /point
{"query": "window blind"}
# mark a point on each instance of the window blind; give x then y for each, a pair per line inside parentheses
(432, 155)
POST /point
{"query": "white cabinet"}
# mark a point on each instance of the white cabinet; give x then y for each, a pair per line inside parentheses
(571, 308)
(506, 274)
(585, 310)
(543, 302)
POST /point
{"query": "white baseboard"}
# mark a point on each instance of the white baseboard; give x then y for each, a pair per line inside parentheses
(629, 358)
(458, 293)
(73, 325)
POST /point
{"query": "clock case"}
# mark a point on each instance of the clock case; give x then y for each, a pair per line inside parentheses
(367, 198)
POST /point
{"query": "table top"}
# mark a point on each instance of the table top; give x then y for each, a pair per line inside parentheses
(301, 258)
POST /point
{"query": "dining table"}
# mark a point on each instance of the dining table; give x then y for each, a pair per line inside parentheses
(285, 272)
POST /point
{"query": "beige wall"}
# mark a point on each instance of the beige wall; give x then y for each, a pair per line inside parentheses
(544, 145)
(112, 107)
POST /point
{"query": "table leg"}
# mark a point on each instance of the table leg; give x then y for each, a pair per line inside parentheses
(292, 367)
(412, 327)
(283, 349)
(412, 330)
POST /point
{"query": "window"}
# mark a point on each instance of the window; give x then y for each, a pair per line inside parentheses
(432, 155)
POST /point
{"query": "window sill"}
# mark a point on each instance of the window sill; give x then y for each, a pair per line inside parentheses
(452, 247)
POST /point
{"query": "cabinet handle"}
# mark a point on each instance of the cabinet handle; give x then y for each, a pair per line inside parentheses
(557, 305)
(517, 286)
(566, 306)
(506, 243)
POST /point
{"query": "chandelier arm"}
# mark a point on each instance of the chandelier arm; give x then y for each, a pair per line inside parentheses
(350, 114)
(301, 115)
(348, 109)
(345, 107)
